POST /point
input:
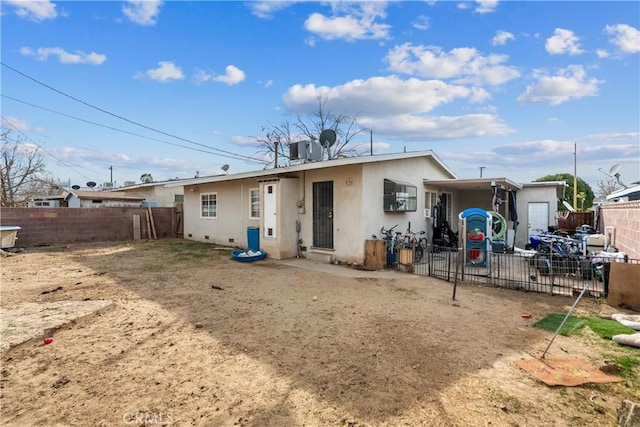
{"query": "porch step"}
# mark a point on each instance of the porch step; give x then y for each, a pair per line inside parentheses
(320, 257)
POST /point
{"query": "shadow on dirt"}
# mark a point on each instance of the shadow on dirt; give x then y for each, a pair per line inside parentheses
(374, 348)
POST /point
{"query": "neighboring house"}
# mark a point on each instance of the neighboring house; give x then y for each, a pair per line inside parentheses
(87, 199)
(156, 194)
(331, 207)
(627, 194)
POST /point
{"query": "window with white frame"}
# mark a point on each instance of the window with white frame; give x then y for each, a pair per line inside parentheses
(209, 205)
(255, 203)
(430, 200)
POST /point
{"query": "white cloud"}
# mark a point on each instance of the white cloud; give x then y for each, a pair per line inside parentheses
(563, 41)
(77, 57)
(486, 6)
(397, 108)
(350, 21)
(266, 9)
(233, 76)
(143, 12)
(34, 10)
(245, 141)
(625, 37)
(502, 37)
(421, 22)
(426, 128)
(466, 65)
(568, 84)
(15, 123)
(602, 53)
(616, 136)
(166, 71)
(482, 6)
(377, 96)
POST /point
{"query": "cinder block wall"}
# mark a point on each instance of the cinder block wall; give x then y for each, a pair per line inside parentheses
(625, 217)
(41, 226)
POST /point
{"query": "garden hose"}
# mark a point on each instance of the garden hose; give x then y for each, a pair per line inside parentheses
(498, 225)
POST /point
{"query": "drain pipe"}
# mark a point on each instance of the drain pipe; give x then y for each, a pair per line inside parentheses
(298, 238)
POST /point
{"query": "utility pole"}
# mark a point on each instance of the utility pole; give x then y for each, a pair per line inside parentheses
(371, 140)
(111, 177)
(575, 176)
(276, 143)
(481, 169)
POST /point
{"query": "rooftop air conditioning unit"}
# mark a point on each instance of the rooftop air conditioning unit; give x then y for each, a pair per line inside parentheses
(129, 183)
(107, 185)
(427, 213)
(298, 150)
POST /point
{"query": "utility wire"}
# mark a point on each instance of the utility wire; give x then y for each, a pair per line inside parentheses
(40, 147)
(120, 130)
(128, 120)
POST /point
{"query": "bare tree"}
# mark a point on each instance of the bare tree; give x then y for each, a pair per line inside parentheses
(277, 138)
(345, 127)
(606, 187)
(280, 137)
(20, 167)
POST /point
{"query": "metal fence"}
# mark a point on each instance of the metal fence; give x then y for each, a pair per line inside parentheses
(522, 271)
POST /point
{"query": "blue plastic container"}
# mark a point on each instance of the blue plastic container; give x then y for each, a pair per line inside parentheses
(253, 238)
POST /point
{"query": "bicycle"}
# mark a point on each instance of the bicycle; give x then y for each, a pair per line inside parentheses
(418, 244)
(390, 238)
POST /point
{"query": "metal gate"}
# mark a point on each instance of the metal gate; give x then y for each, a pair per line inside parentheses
(323, 214)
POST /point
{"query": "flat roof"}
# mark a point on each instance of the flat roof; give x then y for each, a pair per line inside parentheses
(471, 184)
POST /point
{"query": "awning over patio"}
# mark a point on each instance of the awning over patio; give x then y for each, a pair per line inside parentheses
(471, 184)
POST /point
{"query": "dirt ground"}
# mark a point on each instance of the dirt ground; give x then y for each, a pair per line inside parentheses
(184, 335)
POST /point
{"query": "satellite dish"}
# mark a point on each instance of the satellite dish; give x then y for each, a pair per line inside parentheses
(327, 138)
(225, 167)
(568, 206)
(91, 184)
(75, 187)
(615, 169)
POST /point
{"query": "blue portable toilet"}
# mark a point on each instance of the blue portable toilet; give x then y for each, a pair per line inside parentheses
(477, 236)
(253, 238)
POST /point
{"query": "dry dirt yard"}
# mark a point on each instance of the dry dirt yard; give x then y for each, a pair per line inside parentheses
(183, 335)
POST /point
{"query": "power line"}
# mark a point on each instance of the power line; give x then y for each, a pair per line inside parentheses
(40, 147)
(119, 130)
(128, 120)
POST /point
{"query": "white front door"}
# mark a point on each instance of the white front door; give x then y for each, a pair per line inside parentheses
(270, 220)
(538, 218)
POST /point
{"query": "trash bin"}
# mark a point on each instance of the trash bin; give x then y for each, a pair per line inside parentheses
(253, 238)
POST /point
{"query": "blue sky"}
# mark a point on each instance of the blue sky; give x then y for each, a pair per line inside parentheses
(509, 86)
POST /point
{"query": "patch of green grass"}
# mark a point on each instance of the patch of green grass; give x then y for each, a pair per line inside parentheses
(627, 364)
(605, 328)
(552, 321)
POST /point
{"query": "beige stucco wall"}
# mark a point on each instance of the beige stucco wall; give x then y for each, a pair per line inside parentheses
(230, 226)
(357, 208)
(164, 197)
(534, 194)
(412, 171)
(625, 218)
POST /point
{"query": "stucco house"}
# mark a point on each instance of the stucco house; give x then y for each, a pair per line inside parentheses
(327, 209)
(156, 194)
(86, 199)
